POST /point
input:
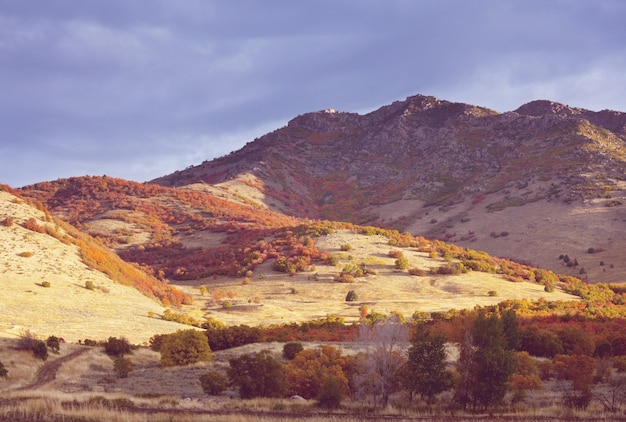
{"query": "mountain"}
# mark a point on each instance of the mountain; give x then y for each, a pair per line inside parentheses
(535, 184)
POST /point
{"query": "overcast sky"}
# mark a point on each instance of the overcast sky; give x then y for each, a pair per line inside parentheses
(139, 88)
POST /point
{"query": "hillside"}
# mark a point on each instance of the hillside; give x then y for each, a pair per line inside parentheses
(548, 175)
(32, 257)
(245, 264)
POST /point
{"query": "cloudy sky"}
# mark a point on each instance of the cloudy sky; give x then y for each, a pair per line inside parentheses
(140, 88)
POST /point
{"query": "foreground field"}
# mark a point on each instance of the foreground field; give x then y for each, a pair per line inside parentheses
(79, 384)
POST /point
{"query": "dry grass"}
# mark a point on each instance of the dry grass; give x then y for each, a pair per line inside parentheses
(538, 231)
(306, 296)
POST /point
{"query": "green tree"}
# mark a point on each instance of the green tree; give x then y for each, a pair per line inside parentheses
(290, 350)
(122, 366)
(577, 342)
(214, 383)
(117, 346)
(53, 344)
(257, 375)
(331, 393)
(425, 371)
(184, 347)
(485, 363)
(510, 328)
(40, 350)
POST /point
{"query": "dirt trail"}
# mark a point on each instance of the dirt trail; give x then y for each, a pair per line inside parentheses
(48, 372)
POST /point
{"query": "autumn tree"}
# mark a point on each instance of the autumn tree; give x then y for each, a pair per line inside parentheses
(425, 372)
(257, 375)
(526, 377)
(379, 371)
(576, 375)
(184, 347)
(309, 369)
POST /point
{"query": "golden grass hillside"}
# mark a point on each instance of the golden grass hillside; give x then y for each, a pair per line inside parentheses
(67, 309)
(273, 298)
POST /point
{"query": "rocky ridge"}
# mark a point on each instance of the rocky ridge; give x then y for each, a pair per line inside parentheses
(425, 165)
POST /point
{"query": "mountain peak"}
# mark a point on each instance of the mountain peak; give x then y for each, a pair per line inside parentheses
(546, 107)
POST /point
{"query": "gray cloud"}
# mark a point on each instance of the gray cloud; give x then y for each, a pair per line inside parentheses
(139, 88)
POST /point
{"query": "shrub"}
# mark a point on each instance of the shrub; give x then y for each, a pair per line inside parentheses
(227, 304)
(346, 247)
(117, 403)
(352, 296)
(402, 263)
(117, 347)
(53, 343)
(26, 341)
(25, 254)
(40, 350)
(31, 224)
(8, 222)
(4, 372)
(257, 375)
(332, 260)
(492, 293)
(221, 337)
(290, 350)
(344, 278)
(185, 347)
(156, 341)
(214, 383)
(122, 366)
(89, 285)
(45, 284)
(394, 253)
(417, 272)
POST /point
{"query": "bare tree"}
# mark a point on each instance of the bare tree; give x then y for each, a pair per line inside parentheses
(385, 343)
(613, 394)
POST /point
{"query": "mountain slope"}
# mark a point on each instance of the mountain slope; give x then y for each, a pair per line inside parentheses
(447, 170)
(37, 249)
